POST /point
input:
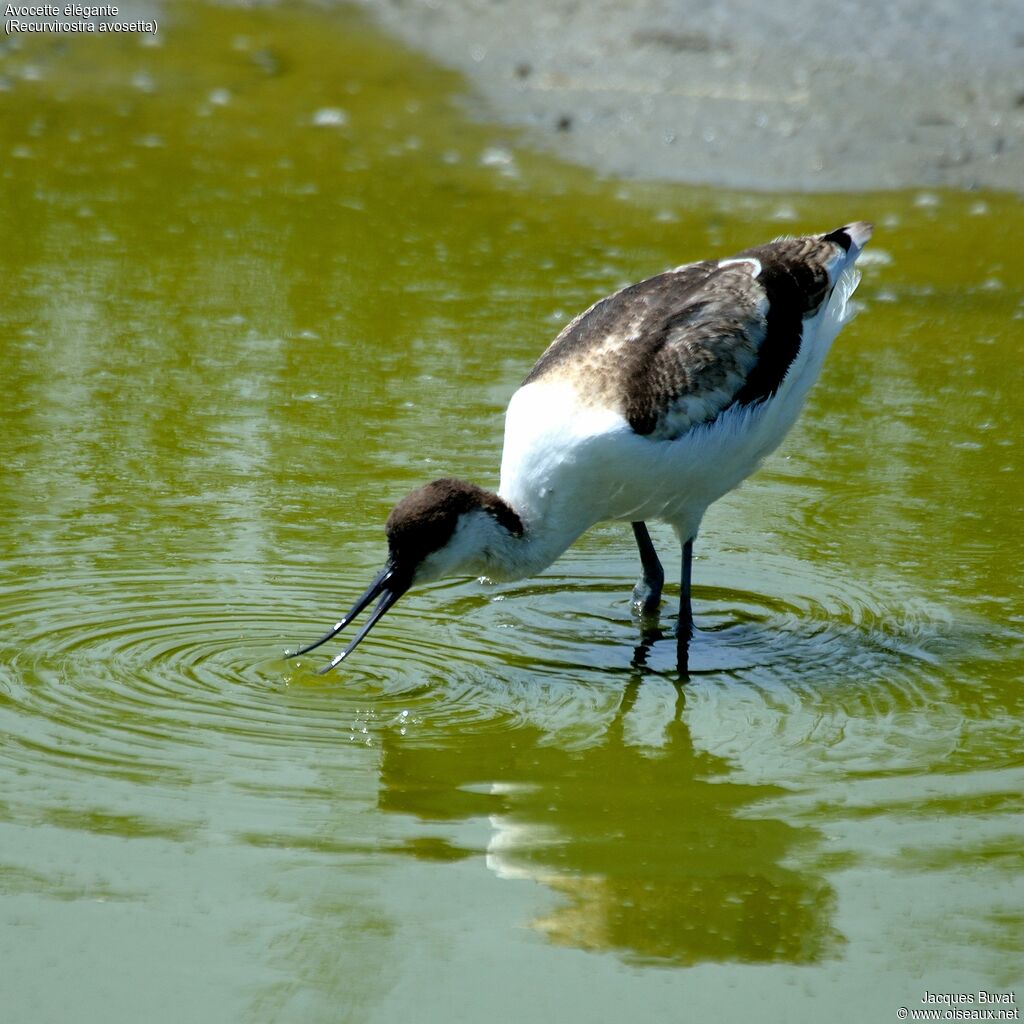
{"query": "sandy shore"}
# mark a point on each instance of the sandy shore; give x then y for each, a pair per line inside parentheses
(734, 93)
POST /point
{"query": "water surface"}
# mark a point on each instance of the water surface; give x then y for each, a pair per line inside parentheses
(262, 276)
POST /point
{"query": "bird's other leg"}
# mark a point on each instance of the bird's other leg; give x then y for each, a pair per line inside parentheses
(647, 592)
(684, 633)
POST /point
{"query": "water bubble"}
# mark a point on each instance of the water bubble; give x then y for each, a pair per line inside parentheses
(496, 156)
(330, 117)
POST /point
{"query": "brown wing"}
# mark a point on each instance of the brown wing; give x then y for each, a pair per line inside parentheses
(677, 349)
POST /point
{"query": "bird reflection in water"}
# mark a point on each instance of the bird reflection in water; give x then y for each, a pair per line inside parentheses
(654, 853)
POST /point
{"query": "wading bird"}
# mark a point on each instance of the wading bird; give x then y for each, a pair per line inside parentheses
(652, 404)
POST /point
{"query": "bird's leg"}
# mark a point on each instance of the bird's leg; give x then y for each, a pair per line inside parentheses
(647, 592)
(684, 632)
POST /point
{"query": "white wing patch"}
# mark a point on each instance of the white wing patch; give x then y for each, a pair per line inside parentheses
(753, 261)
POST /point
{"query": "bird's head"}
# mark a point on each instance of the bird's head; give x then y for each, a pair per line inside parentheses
(445, 528)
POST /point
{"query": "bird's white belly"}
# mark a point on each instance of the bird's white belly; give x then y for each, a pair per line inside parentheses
(569, 464)
(676, 481)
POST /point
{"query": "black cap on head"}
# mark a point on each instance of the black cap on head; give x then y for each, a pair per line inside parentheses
(421, 523)
(425, 520)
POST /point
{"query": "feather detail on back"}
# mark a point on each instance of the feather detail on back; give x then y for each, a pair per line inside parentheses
(678, 349)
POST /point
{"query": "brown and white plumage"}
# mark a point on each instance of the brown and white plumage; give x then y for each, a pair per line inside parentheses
(677, 349)
(652, 404)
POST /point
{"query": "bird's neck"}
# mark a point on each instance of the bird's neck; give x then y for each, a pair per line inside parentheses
(494, 538)
(543, 534)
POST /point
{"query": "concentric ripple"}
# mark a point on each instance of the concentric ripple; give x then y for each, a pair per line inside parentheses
(122, 671)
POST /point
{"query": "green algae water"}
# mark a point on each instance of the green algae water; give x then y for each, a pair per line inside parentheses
(261, 277)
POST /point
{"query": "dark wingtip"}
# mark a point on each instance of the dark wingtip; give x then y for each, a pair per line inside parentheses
(855, 235)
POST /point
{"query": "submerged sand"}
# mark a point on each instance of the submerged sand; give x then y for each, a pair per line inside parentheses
(793, 95)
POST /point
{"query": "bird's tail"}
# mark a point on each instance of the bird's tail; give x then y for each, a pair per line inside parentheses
(852, 237)
(845, 275)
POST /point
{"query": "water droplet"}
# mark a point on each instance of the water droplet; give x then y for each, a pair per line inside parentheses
(330, 117)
